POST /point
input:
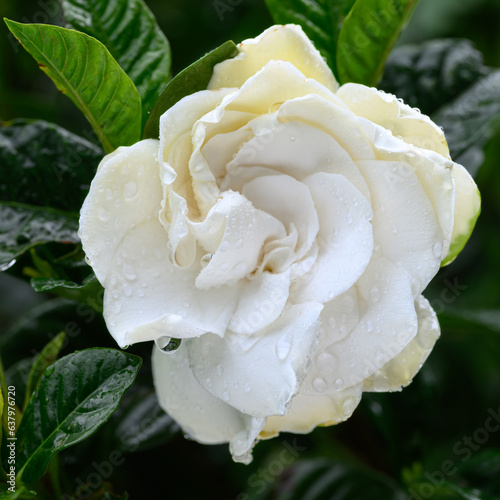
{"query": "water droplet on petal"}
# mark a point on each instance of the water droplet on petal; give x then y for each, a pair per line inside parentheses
(109, 194)
(168, 344)
(224, 246)
(239, 244)
(129, 190)
(205, 260)
(319, 385)
(102, 214)
(437, 250)
(129, 272)
(225, 396)
(339, 383)
(283, 346)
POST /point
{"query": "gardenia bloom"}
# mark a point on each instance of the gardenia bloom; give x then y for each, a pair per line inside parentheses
(284, 228)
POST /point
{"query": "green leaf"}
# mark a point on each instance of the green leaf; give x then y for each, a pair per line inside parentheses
(129, 31)
(24, 226)
(367, 36)
(44, 164)
(89, 291)
(321, 21)
(471, 120)
(192, 79)
(433, 73)
(42, 361)
(76, 395)
(83, 68)
(326, 479)
(448, 80)
(21, 493)
(140, 423)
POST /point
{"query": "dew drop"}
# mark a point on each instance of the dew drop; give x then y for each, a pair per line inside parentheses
(339, 383)
(102, 214)
(239, 244)
(437, 250)
(224, 247)
(168, 344)
(129, 272)
(319, 385)
(129, 190)
(127, 291)
(109, 194)
(283, 346)
(224, 266)
(292, 138)
(205, 260)
(225, 396)
(248, 387)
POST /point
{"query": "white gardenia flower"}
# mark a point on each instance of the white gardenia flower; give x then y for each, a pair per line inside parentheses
(284, 228)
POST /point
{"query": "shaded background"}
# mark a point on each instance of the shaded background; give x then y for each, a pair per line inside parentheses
(403, 433)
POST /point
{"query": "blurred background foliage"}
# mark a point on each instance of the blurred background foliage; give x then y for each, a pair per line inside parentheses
(405, 440)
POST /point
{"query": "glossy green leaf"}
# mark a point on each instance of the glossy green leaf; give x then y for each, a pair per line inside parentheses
(46, 357)
(25, 226)
(321, 20)
(21, 493)
(129, 31)
(319, 479)
(84, 70)
(471, 119)
(192, 79)
(76, 395)
(44, 164)
(140, 423)
(367, 36)
(448, 80)
(433, 73)
(90, 291)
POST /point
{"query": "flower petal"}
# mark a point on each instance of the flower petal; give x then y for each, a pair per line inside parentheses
(259, 374)
(204, 417)
(244, 231)
(288, 43)
(124, 193)
(352, 350)
(394, 115)
(331, 115)
(401, 369)
(433, 171)
(276, 83)
(467, 210)
(261, 302)
(405, 227)
(289, 201)
(345, 238)
(308, 411)
(147, 297)
(295, 149)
